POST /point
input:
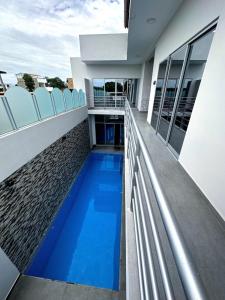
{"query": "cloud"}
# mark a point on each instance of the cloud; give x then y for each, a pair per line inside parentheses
(41, 36)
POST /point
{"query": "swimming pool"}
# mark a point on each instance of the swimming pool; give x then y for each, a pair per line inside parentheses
(82, 244)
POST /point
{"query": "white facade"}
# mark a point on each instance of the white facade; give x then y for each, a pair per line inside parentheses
(116, 49)
(203, 151)
(81, 70)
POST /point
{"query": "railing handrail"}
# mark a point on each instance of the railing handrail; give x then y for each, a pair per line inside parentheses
(190, 279)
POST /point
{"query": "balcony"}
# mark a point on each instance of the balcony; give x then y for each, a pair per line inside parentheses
(115, 102)
(174, 224)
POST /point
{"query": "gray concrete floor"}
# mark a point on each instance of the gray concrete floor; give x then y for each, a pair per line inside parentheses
(202, 228)
(33, 288)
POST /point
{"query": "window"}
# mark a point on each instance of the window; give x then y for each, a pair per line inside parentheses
(178, 82)
(158, 92)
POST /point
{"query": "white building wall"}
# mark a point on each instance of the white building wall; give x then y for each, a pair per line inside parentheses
(80, 71)
(93, 47)
(145, 85)
(203, 151)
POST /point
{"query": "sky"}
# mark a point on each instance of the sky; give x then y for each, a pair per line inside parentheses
(40, 36)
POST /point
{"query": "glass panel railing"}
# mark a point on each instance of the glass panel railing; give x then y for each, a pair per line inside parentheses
(68, 99)
(75, 96)
(5, 124)
(58, 100)
(19, 108)
(22, 106)
(44, 102)
(81, 98)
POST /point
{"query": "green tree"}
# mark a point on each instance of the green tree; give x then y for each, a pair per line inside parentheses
(29, 82)
(56, 82)
(110, 86)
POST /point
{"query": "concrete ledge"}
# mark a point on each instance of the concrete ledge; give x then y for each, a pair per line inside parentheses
(106, 111)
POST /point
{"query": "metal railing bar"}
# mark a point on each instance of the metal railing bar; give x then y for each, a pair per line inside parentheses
(36, 107)
(140, 253)
(53, 103)
(9, 113)
(189, 276)
(155, 291)
(162, 263)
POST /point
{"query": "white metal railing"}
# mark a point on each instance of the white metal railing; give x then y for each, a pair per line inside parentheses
(117, 102)
(138, 154)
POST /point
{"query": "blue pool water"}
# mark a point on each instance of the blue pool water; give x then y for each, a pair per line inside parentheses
(83, 242)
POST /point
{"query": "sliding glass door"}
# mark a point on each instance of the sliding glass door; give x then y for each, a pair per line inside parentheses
(195, 66)
(158, 93)
(178, 82)
(170, 93)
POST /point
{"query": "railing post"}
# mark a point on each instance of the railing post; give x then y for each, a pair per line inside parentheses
(53, 103)
(36, 107)
(9, 113)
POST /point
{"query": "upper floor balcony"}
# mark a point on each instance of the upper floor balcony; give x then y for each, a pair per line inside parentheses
(111, 94)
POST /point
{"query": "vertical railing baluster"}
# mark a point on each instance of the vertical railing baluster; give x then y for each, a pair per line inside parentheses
(53, 103)
(9, 113)
(36, 107)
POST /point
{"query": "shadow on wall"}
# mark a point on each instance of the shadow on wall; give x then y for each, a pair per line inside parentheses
(19, 108)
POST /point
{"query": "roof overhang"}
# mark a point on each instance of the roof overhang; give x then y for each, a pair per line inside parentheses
(147, 20)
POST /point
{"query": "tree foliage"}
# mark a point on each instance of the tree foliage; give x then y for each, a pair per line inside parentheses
(29, 82)
(56, 82)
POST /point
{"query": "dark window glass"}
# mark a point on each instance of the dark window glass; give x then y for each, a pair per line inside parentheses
(176, 64)
(192, 78)
(99, 118)
(121, 134)
(100, 134)
(109, 134)
(110, 87)
(158, 93)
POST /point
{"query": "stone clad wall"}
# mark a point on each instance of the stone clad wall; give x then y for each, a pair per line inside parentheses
(30, 197)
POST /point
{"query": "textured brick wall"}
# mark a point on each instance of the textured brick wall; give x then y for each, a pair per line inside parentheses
(29, 198)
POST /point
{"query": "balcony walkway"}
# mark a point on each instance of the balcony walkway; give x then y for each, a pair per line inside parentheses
(203, 229)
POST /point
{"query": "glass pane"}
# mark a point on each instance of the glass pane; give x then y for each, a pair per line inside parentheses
(109, 134)
(117, 134)
(44, 102)
(58, 99)
(121, 134)
(158, 92)
(177, 61)
(75, 97)
(22, 106)
(192, 78)
(98, 85)
(114, 119)
(125, 86)
(119, 87)
(68, 99)
(81, 98)
(99, 118)
(5, 125)
(110, 87)
(100, 134)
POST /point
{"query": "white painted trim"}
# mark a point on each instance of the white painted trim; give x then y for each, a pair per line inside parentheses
(119, 112)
